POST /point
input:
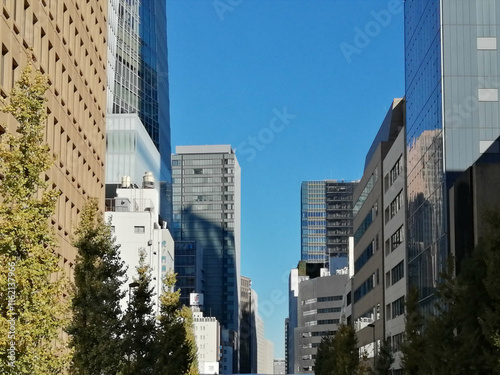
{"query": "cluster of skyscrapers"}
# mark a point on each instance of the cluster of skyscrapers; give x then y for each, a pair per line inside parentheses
(109, 128)
(429, 176)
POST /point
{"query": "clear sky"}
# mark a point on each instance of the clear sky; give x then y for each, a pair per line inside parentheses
(299, 88)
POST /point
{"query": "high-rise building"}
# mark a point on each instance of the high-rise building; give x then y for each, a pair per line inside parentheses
(394, 222)
(68, 42)
(452, 119)
(188, 267)
(138, 84)
(206, 196)
(373, 247)
(247, 327)
(326, 222)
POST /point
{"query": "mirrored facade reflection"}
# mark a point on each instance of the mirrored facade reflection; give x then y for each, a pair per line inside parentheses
(451, 78)
(206, 210)
(138, 71)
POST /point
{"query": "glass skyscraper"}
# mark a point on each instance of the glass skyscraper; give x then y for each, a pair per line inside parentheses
(206, 210)
(326, 222)
(138, 75)
(452, 117)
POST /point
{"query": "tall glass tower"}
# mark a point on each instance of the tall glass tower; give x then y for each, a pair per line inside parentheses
(138, 75)
(326, 222)
(207, 211)
(452, 75)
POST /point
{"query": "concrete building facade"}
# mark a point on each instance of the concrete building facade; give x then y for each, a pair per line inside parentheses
(134, 219)
(279, 366)
(319, 306)
(207, 335)
(395, 265)
(368, 290)
(68, 42)
(247, 328)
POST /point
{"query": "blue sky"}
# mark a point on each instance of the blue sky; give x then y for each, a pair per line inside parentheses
(299, 88)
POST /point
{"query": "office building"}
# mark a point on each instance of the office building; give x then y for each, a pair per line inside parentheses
(451, 68)
(206, 196)
(188, 267)
(395, 265)
(138, 94)
(207, 335)
(247, 328)
(133, 214)
(368, 287)
(319, 306)
(326, 222)
(68, 43)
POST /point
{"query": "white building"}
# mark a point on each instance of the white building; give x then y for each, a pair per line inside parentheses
(279, 366)
(207, 335)
(134, 219)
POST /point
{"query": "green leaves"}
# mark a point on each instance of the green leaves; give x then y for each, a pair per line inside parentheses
(338, 355)
(39, 310)
(460, 338)
(175, 346)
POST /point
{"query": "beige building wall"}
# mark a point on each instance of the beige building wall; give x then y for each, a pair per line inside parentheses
(69, 43)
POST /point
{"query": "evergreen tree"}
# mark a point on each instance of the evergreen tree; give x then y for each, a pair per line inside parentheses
(338, 355)
(325, 363)
(414, 343)
(385, 359)
(347, 353)
(140, 324)
(490, 320)
(175, 345)
(97, 316)
(33, 307)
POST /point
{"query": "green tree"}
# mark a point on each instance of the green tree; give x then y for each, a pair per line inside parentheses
(175, 345)
(325, 357)
(490, 319)
(385, 359)
(96, 327)
(414, 343)
(338, 355)
(140, 324)
(33, 310)
(346, 350)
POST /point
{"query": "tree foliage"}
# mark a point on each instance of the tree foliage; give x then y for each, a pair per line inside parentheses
(461, 336)
(338, 355)
(140, 324)
(385, 359)
(175, 344)
(32, 285)
(325, 357)
(96, 327)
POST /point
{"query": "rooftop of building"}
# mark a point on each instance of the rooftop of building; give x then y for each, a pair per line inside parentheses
(204, 149)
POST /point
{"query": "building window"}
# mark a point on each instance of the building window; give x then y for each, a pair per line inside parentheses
(397, 238)
(398, 272)
(139, 229)
(398, 307)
